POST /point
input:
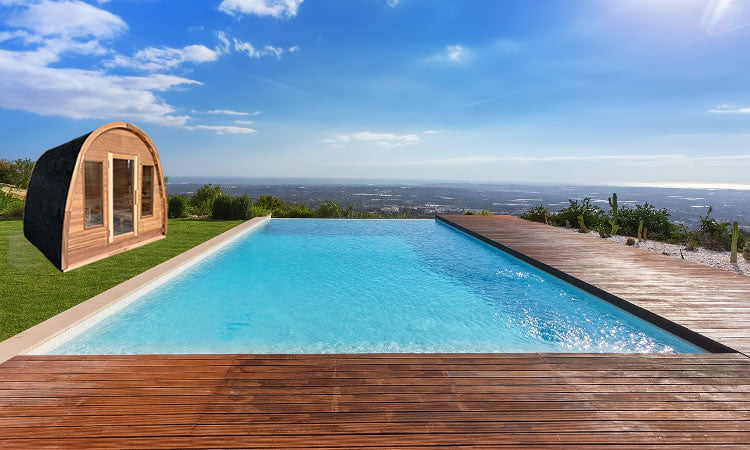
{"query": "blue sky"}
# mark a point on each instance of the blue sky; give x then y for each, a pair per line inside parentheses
(633, 91)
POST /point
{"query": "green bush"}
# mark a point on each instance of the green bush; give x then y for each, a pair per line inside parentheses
(257, 211)
(330, 210)
(656, 220)
(17, 173)
(177, 207)
(10, 206)
(713, 234)
(295, 211)
(225, 207)
(537, 214)
(593, 216)
(270, 203)
(202, 201)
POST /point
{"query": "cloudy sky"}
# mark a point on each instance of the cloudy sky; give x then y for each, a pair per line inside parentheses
(576, 91)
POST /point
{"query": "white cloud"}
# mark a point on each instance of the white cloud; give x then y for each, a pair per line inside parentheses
(392, 3)
(69, 19)
(431, 132)
(153, 59)
(20, 34)
(225, 46)
(451, 54)
(222, 129)
(275, 8)
(51, 30)
(253, 52)
(730, 110)
(244, 122)
(229, 112)
(293, 49)
(85, 94)
(382, 139)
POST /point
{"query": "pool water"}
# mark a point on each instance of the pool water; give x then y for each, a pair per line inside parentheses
(348, 286)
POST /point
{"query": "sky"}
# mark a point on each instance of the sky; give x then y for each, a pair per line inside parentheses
(545, 91)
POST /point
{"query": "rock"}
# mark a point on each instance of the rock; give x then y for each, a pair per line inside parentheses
(630, 241)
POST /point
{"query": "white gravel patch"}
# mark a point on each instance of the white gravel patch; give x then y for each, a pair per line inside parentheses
(717, 259)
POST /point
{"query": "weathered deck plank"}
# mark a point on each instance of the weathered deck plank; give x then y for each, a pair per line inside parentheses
(386, 400)
(712, 302)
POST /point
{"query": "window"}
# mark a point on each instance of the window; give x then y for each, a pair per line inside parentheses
(147, 191)
(92, 192)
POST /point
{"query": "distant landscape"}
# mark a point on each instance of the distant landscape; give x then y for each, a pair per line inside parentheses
(419, 199)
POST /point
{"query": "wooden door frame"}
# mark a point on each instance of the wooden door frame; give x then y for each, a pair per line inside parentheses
(111, 156)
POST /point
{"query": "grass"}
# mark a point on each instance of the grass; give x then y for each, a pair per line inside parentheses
(33, 290)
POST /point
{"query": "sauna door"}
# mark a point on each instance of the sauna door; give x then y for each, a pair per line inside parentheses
(122, 195)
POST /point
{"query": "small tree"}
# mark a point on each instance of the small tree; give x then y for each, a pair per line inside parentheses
(713, 234)
(177, 207)
(330, 209)
(203, 199)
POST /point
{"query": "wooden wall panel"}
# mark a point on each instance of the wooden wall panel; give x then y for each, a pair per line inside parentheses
(86, 244)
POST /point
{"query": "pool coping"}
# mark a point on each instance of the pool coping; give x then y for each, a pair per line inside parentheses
(73, 320)
(676, 329)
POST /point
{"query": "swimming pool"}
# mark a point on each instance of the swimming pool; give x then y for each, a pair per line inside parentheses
(350, 286)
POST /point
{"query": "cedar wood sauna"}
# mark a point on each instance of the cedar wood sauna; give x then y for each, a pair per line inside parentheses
(96, 196)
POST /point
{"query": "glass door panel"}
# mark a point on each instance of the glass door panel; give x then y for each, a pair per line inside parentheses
(122, 196)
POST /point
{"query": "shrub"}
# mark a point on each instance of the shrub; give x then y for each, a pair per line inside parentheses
(270, 203)
(257, 211)
(295, 211)
(177, 206)
(630, 241)
(10, 206)
(468, 213)
(746, 251)
(713, 234)
(593, 216)
(691, 242)
(536, 214)
(484, 212)
(582, 225)
(330, 209)
(655, 220)
(17, 173)
(202, 201)
(225, 207)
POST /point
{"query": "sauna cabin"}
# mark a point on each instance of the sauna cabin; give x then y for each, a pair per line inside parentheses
(96, 196)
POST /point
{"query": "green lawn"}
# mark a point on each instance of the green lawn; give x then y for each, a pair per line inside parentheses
(33, 290)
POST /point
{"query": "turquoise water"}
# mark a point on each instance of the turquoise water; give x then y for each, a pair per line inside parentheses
(345, 286)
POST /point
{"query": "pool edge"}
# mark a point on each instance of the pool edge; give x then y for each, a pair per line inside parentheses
(84, 314)
(676, 329)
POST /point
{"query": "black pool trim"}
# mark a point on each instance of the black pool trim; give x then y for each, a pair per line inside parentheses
(678, 330)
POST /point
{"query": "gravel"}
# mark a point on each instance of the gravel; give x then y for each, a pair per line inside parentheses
(717, 259)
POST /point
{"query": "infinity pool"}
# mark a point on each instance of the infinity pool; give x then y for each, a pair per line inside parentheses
(348, 286)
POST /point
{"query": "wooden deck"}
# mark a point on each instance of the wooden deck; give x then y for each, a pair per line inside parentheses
(712, 302)
(418, 400)
(397, 400)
